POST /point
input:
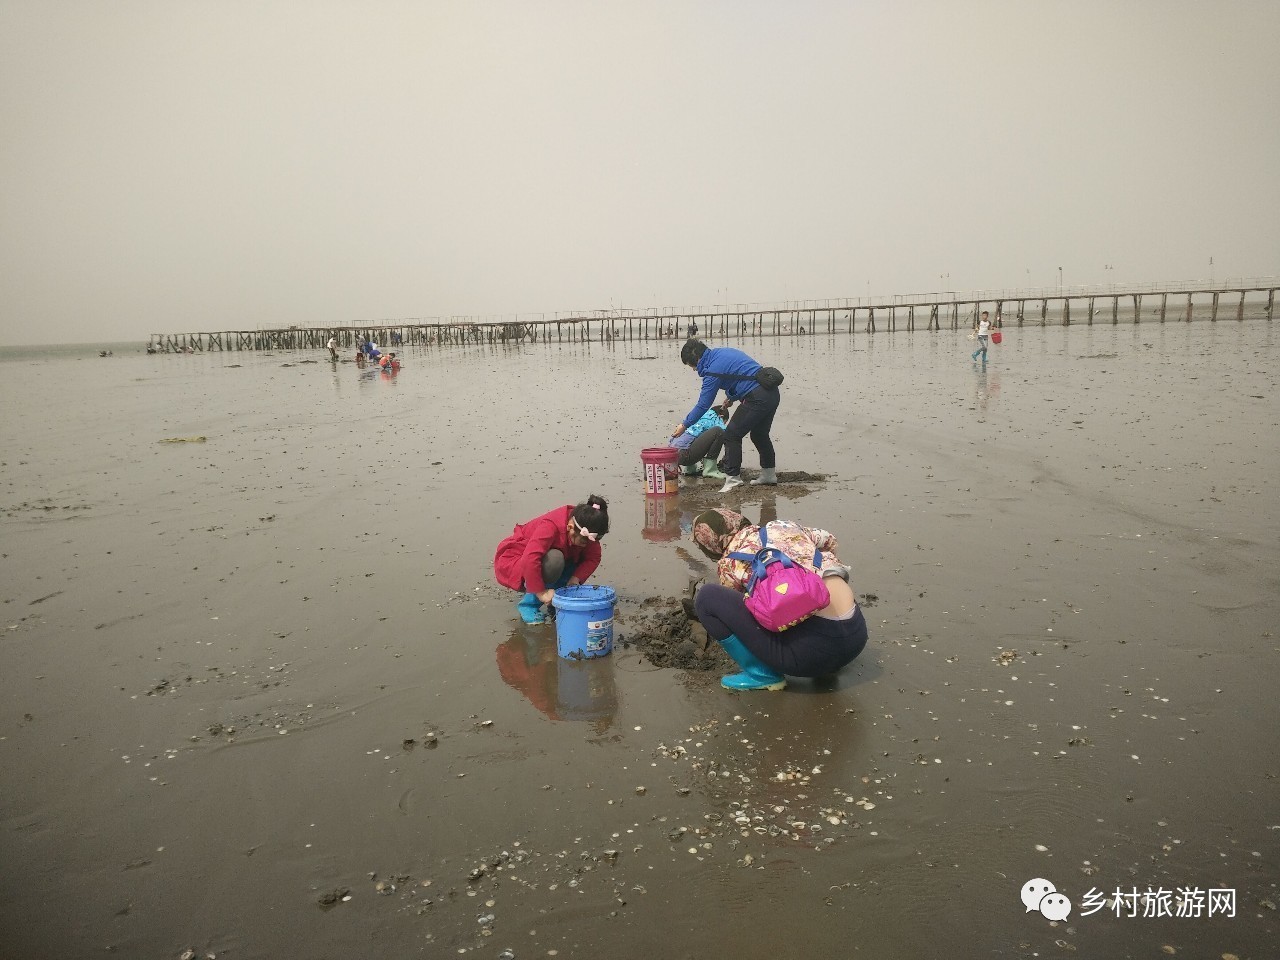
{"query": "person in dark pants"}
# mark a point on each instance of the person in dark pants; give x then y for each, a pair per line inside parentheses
(815, 647)
(730, 370)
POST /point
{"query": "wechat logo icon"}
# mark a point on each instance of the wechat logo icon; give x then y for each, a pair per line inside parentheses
(1040, 894)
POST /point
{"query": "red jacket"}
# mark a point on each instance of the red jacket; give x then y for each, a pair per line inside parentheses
(518, 561)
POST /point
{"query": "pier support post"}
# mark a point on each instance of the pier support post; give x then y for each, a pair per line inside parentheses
(1137, 307)
(1240, 307)
(1213, 317)
(1164, 299)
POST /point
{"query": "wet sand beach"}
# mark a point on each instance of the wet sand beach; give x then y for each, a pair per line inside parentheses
(263, 699)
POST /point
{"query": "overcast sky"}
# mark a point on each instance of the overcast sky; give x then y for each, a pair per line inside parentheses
(181, 166)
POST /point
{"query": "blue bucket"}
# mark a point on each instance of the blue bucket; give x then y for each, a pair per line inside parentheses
(584, 621)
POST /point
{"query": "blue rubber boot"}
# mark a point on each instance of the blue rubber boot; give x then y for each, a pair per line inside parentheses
(530, 609)
(755, 675)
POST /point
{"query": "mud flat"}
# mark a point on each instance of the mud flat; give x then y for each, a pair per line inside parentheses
(261, 697)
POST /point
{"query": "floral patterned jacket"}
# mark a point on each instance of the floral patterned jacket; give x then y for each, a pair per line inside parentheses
(797, 542)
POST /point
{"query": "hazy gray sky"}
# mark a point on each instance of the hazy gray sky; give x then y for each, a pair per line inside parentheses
(177, 166)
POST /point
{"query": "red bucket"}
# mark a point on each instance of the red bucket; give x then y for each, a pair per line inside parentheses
(661, 470)
(996, 336)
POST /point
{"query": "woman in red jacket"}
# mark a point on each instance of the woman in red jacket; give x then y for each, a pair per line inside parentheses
(560, 548)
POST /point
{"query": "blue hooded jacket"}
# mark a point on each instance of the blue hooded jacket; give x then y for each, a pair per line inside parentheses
(704, 423)
(711, 365)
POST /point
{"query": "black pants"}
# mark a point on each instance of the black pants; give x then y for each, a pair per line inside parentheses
(754, 417)
(706, 444)
(812, 648)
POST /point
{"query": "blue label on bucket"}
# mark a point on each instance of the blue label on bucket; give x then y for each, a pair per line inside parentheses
(599, 633)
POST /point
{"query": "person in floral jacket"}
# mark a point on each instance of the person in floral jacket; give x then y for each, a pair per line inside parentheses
(817, 646)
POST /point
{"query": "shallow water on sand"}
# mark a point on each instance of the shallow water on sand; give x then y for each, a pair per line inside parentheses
(246, 675)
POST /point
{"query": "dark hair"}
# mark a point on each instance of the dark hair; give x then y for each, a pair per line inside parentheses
(692, 352)
(594, 515)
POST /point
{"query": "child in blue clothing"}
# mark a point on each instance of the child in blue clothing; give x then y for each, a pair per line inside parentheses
(701, 444)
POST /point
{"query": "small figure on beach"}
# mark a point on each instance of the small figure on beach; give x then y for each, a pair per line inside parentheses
(333, 349)
(731, 370)
(701, 444)
(360, 357)
(693, 329)
(827, 639)
(558, 549)
(389, 363)
(983, 330)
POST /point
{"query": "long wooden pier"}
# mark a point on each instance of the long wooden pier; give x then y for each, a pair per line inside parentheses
(934, 311)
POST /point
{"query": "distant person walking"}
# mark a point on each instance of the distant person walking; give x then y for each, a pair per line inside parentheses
(983, 329)
(333, 349)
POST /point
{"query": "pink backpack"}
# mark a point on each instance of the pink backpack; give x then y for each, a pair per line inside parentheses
(780, 592)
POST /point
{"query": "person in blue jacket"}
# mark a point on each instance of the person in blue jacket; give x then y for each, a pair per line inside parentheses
(730, 370)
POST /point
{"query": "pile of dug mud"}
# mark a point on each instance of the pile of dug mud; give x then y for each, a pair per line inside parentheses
(661, 629)
(697, 493)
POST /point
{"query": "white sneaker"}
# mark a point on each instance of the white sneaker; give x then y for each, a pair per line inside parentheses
(731, 483)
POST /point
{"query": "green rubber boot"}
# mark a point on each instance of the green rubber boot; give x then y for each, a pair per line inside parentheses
(711, 470)
(755, 675)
